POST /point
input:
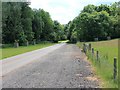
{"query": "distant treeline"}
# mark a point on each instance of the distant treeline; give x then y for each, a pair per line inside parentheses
(20, 23)
(95, 22)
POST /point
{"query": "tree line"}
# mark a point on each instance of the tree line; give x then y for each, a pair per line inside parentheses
(95, 22)
(22, 24)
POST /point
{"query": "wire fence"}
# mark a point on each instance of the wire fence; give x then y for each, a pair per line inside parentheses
(108, 70)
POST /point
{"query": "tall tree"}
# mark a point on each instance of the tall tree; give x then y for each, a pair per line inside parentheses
(26, 19)
(37, 24)
(48, 25)
(12, 26)
(96, 22)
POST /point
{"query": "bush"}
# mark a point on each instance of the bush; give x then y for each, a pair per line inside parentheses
(6, 45)
(55, 41)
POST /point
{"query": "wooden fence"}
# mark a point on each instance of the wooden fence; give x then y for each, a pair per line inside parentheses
(95, 54)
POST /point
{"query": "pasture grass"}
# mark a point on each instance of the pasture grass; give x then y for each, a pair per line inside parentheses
(104, 69)
(11, 51)
(108, 48)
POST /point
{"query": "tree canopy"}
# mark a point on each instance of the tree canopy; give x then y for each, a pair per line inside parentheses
(95, 22)
(21, 23)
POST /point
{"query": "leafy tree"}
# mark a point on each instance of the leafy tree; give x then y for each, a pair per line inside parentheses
(21, 23)
(26, 19)
(37, 24)
(48, 25)
(58, 33)
(95, 22)
(12, 26)
(89, 8)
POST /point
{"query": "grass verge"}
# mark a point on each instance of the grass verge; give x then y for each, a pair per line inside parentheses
(11, 51)
(104, 68)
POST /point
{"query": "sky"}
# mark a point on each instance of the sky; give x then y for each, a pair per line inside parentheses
(65, 10)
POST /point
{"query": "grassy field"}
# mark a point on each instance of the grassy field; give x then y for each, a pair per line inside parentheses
(107, 50)
(8, 52)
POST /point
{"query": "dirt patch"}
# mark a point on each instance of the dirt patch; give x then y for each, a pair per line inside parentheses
(91, 78)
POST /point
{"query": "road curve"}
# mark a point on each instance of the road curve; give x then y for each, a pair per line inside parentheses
(65, 67)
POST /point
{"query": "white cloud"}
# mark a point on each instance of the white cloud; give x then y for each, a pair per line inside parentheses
(65, 10)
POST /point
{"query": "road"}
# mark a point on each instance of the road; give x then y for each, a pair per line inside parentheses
(12, 63)
(65, 67)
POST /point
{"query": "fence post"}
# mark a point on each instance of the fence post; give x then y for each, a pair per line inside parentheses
(26, 43)
(92, 52)
(115, 68)
(34, 42)
(16, 44)
(89, 46)
(98, 58)
(97, 55)
(84, 48)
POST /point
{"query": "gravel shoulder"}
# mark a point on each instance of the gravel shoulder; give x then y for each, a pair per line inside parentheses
(65, 67)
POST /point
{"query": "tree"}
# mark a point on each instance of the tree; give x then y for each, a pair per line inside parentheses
(89, 9)
(58, 33)
(95, 22)
(37, 24)
(48, 25)
(12, 26)
(26, 19)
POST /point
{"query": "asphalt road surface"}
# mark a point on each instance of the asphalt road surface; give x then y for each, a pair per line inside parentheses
(64, 67)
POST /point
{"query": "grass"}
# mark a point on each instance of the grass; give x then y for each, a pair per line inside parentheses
(11, 51)
(107, 50)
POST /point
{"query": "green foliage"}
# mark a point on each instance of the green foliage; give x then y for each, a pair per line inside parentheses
(26, 19)
(96, 22)
(89, 8)
(22, 23)
(37, 24)
(58, 33)
(12, 26)
(48, 25)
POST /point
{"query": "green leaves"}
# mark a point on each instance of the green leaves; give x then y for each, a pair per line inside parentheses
(58, 32)
(95, 22)
(22, 23)
(11, 22)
